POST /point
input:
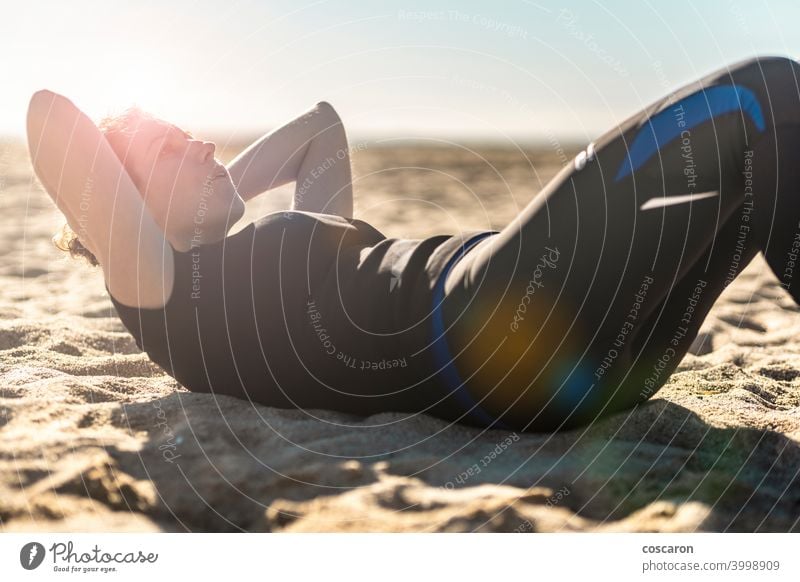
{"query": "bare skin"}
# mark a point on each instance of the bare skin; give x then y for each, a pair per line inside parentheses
(171, 191)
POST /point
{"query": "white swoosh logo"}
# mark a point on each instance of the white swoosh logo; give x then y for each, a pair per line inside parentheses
(661, 201)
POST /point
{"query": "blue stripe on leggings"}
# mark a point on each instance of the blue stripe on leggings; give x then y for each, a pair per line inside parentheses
(441, 351)
(698, 107)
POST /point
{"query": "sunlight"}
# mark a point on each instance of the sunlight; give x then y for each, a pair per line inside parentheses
(136, 79)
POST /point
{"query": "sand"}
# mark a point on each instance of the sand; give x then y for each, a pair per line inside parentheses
(93, 437)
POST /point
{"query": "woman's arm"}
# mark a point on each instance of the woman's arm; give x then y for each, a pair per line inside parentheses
(86, 180)
(312, 151)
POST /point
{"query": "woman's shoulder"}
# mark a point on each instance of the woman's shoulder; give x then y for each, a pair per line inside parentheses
(151, 293)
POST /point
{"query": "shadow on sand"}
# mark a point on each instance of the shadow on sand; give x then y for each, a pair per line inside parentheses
(221, 464)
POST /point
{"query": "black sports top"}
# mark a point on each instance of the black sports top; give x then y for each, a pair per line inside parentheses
(308, 310)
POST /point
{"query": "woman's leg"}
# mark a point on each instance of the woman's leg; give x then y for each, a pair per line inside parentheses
(564, 315)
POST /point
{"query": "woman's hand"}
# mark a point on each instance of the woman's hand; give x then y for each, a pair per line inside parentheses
(312, 151)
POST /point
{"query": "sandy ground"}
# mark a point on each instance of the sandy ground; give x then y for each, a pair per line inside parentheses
(94, 437)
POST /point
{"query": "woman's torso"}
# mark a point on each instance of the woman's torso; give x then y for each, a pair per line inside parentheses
(302, 310)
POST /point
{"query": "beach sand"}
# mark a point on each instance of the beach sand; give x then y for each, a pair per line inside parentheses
(93, 437)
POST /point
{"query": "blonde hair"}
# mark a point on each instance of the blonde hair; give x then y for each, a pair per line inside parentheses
(68, 241)
(118, 130)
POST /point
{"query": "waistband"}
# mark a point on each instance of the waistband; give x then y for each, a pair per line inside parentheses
(440, 349)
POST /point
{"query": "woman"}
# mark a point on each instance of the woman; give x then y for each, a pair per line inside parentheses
(582, 306)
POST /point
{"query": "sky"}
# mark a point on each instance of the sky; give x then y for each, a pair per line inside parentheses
(500, 70)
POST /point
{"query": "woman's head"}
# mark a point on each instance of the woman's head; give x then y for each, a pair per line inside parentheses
(186, 190)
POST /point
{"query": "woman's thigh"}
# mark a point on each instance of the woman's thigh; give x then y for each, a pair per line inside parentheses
(546, 318)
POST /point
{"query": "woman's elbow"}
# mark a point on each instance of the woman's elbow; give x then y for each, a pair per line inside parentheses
(44, 99)
(328, 110)
(46, 106)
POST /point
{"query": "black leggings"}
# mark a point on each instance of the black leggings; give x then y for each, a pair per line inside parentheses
(588, 300)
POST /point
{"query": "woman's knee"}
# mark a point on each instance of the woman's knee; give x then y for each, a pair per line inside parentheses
(769, 68)
(775, 82)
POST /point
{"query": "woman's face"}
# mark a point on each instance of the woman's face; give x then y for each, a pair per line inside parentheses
(189, 193)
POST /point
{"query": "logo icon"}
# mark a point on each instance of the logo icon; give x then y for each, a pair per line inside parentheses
(31, 555)
(661, 201)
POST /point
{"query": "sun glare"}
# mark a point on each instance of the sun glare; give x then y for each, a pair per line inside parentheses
(138, 81)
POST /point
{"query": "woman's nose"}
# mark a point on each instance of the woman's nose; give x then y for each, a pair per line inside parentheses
(207, 149)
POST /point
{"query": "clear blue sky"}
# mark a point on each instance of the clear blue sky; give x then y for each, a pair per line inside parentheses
(398, 68)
